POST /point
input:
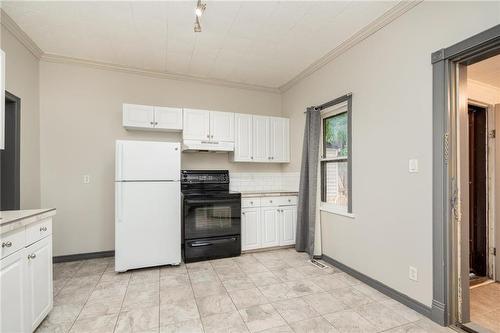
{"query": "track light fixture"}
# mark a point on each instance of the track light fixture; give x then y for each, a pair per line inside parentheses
(200, 8)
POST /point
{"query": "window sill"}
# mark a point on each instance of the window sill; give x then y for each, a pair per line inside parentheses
(324, 207)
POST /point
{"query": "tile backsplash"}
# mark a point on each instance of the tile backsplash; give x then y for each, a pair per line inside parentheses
(264, 181)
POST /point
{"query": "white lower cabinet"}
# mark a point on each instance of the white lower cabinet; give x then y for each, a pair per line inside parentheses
(26, 279)
(39, 278)
(270, 227)
(13, 294)
(250, 228)
(268, 222)
(288, 223)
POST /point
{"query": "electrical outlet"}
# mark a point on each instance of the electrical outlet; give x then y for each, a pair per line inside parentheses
(86, 179)
(413, 166)
(413, 273)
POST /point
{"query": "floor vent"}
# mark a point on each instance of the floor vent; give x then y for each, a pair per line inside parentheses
(318, 264)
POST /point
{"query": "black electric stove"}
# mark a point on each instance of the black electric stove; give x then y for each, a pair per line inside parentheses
(211, 215)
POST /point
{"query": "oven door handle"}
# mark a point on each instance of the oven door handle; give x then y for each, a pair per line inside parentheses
(216, 241)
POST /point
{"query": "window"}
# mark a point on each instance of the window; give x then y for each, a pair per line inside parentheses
(336, 156)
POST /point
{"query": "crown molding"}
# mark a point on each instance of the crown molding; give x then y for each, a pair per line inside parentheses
(20, 35)
(389, 16)
(484, 85)
(55, 58)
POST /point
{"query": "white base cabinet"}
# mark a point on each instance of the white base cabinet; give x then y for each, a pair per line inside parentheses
(268, 222)
(26, 277)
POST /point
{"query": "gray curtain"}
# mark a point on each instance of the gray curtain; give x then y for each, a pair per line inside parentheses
(306, 214)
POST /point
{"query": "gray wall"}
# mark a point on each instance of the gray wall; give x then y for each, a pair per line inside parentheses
(80, 119)
(390, 76)
(22, 80)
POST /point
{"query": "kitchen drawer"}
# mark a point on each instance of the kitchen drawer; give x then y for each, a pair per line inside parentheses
(250, 202)
(278, 201)
(269, 201)
(288, 201)
(12, 241)
(37, 231)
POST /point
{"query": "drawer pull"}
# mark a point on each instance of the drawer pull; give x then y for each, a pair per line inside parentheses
(7, 244)
(43, 228)
(251, 202)
(270, 201)
(32, 256)
(289, 200)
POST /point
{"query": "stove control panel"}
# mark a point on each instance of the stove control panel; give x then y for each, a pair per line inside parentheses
(205, 176)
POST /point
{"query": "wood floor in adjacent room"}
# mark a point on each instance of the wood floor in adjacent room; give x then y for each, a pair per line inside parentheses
(485, 306)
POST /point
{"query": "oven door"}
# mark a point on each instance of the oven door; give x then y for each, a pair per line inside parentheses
(211, 217)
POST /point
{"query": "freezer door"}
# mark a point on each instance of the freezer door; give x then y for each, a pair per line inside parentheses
(144, 160)
(148, 224)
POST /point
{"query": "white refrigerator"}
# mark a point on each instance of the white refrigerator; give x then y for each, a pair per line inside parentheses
(147, 204)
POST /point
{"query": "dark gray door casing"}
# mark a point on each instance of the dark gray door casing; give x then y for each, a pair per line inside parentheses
(445, 62)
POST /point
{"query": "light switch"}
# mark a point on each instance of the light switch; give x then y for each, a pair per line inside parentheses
(86, 179)
(413, 166)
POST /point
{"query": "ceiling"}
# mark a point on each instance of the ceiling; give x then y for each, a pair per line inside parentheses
(486, 71)
(262, 43)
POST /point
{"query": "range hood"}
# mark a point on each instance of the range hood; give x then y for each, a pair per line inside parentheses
(207, 146)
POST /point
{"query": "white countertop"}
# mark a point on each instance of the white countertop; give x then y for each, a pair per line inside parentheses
(13, 219)
(248, 194)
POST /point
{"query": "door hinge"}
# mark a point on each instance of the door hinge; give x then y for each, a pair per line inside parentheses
(492, 134)
(446, 151)
(494, 251)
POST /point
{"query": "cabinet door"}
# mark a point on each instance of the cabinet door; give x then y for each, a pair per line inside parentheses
(270, 227)
(222, 126)
(39, 286)
(279, 147)
(243, 138)
(168, 118)
(260, 138)
(250, 229)
(196, 125)
(288, 223)
(139, 116)
(13, 300)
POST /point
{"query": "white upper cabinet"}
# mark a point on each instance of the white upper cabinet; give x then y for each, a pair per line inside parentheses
(138, 116)
(148, 117)
(221, 126)
(279, 139)
(243, 138)
(2, 99)
(196, 125)
(260, 139)
(168, 118)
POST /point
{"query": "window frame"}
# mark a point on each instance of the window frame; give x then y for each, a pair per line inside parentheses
(331, 109)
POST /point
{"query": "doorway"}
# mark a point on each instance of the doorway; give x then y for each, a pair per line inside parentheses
(10, 156)
(463, 187)
(478, 192)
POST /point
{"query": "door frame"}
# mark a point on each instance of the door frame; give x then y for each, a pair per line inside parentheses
(446, 210)
(17, 148)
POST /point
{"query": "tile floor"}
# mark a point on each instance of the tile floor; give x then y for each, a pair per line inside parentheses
(485, 306)
(275, 291)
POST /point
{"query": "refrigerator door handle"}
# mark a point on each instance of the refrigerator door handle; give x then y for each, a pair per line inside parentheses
(119, 201)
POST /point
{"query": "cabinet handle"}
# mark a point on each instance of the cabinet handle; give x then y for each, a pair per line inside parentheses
(156, 123)
(251, 157)
(251, 202)
(43, 228)
(243, 213)
(270, 201)
(32, 256)
(6, 244)
(152, 122)
(208, 136)
(212, 136)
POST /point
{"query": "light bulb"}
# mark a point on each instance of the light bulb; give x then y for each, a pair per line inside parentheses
(198, 11)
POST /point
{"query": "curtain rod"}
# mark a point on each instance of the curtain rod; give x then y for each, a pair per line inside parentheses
(332, 102)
